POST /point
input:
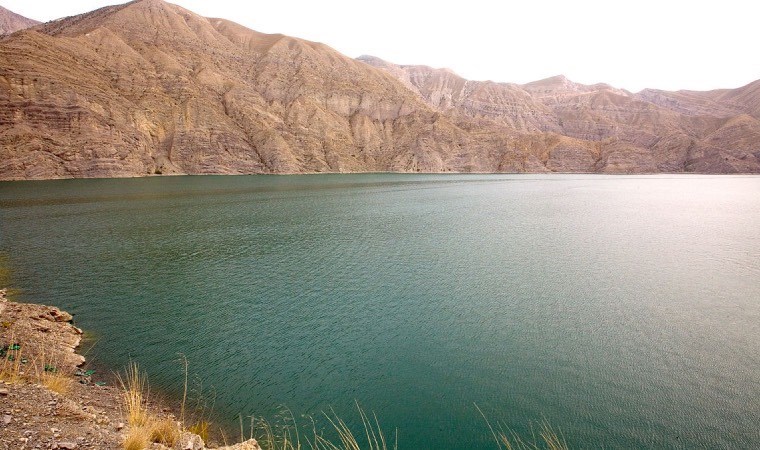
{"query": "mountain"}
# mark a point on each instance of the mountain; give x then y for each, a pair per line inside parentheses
(651, 131)
(152, 88)
(10, 22)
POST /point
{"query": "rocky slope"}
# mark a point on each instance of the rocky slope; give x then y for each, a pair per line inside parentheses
(151, 88)
(651, 131)
(46, 401)
(10, 22)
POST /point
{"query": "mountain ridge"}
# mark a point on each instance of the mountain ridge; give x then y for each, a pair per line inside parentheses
(149, 87)
(10, 22)
(676, 128)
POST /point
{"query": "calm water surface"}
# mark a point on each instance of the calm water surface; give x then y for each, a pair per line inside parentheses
(623, 310)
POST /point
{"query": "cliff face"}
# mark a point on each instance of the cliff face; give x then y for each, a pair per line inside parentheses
(149, 87)
(10, 22)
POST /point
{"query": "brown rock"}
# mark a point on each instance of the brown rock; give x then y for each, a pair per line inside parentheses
(190, 441)
(61, 316)
(250, 444)
(65, 445)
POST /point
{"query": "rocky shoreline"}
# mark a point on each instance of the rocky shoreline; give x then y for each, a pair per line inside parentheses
(49, 399)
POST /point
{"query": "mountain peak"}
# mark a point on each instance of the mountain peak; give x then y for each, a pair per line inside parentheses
(147, 21)
(375, 61)
(370, 58)
(10, 22)
(555, 81)
(155, 4)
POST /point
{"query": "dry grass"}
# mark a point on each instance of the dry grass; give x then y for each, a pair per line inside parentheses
(372, 431)
(200, 428)
(288, 437)
(135, 395)
(47, 373)
(164, 431)
(507, 439)
(547, 439)
(196, 405)
(16, 366)
(56, 382)
(12, 367)
(144, 427)
(137, 439)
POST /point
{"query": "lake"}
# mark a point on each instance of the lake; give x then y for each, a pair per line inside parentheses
(622, 310)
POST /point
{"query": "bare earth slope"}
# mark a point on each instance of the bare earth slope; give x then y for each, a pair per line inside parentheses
(149, 87)
(10, 22)
(652, 131)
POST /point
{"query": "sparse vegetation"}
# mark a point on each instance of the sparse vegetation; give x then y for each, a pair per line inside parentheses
(144, 426)
(136, 439)
(286, 436)
(56, 382)
(47, 373)
(12, 360)
(135, 387)
(23, 363)
(164, 431)
(546, 438)
(200, 428)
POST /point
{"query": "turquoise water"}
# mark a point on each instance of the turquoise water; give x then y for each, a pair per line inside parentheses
(623, 310)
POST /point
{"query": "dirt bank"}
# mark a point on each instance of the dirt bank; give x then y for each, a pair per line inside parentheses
(50, 400)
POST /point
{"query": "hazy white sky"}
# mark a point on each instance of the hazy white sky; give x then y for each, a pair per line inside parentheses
(629, 44)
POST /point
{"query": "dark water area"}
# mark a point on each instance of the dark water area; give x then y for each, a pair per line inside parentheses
(622, 310)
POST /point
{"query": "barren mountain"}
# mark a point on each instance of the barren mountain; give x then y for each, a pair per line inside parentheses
(149, 87)
(10, 22)
(652, 131)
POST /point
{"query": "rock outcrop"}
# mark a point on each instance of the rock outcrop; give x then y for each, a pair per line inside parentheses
(151, 88)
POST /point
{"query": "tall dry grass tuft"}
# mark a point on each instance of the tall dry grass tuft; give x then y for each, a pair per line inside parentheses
(197, 404)
(200, 428)
(144, 428)
(507, 439)
(136, 439)
(135, 389)
(288, 437)
(375, 438)
(164, 431)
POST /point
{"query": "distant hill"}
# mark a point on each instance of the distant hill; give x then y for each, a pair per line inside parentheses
(151, 88)
(10, 22)
(651, 131)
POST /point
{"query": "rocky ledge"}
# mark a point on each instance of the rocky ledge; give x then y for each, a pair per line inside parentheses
(49, 399)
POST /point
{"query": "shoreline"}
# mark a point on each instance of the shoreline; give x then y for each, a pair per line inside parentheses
(289, 174)
(50, 398)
